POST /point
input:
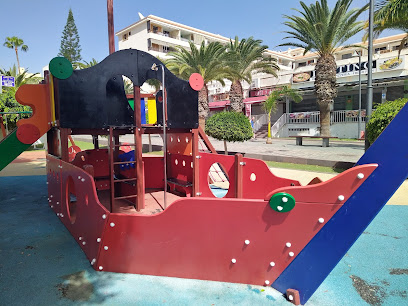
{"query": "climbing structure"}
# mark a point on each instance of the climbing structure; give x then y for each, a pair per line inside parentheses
(158, 215)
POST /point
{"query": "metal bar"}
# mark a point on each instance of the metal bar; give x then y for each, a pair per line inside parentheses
(359, 94)
(126, 197)
(125, 180)
(138, 149)
(196, 173)
(125, 162)
(111, 168)
(238, 175)
(164, 137)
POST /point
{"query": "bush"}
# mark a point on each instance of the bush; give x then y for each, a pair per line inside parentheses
(229, 126)
(382, 116)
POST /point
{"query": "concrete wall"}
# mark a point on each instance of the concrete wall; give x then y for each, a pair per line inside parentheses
(137, 38)
(340, 130)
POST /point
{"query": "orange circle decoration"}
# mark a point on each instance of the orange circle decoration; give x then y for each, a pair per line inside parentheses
(28, 133)
(196, 81)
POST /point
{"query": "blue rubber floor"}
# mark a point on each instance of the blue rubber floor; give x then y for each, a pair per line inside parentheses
(41, 264)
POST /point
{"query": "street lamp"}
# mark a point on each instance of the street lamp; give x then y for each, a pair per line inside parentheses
(358, 53)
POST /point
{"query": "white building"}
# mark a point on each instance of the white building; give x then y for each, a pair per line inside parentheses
(158, 36)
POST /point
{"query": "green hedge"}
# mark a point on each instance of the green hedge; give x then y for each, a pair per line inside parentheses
(229, 126)
(382, 116)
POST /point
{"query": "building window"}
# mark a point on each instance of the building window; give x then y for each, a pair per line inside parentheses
(130, 33)
(346, 56)
(302, 64)
(166, 49)
(166, 33)
(125, 37)
(380, 49)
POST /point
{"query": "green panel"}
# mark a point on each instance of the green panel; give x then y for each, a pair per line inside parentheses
(10, 148)
(132, 104)
(61, 68)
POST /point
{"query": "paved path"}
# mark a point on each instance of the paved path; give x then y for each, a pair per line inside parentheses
(41, 264)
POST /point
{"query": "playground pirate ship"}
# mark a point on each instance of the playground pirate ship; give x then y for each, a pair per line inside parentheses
(146, 214)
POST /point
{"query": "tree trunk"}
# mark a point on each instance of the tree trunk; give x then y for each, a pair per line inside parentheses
(326, 91)
(18, 62)
(225, 148)
(236, 97)
(203, 107)
(269, 139)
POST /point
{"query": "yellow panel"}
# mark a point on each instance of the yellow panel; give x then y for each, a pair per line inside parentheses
(151, 110)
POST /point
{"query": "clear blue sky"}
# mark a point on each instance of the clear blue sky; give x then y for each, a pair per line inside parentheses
(40, 23)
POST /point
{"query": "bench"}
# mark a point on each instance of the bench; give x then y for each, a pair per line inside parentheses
(325, 139)
(184, 185)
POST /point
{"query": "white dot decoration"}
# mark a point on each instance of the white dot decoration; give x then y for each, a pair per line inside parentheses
(360, 176)
(321, 220)
(98, 240)
(178, 139)
(184, 163)
(272, 264)
(291, 254)
(176, 162)
(80, 238)
(112, 224)
(266, 282)
(105, 247)
(233, 260)
(288, 244)
(290, 297)
(103, 216)
(279, 208)
(252, 177)
(341, 197)
(191, 164)
(171, 139)
(186, 139)
(247, 242)
(284, 199)
(83, 242)
(100, 268)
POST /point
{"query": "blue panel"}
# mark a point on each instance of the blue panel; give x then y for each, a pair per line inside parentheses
(309, 269)
(143, 110)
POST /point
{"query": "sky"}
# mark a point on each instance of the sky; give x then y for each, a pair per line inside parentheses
(40, 23)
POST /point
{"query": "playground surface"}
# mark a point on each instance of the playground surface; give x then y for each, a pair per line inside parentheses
(40, 263)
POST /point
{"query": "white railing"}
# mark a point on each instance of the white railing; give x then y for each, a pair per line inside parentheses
(279, 124)
(346, 116)
(260, 120)
(341, 116)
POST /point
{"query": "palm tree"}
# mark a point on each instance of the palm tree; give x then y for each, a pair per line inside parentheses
(270, 105)
(15, 43)
(391, 14)
(244, 58)
(207, 61)
(323, 30)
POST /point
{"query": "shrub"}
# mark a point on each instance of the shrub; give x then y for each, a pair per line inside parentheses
(382, 116)
(229, 126)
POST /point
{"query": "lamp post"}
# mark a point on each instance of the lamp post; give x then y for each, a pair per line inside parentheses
(359, 53)
(370, 69)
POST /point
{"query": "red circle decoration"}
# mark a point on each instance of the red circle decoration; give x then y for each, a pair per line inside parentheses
(28, 133)
(196, 81)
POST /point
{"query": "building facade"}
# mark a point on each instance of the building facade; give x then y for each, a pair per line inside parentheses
(158, 36)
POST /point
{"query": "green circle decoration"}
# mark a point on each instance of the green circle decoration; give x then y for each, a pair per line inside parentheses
(282, 202)
(61, 68)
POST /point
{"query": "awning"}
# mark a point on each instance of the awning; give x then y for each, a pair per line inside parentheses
(219, 104)
(224, 103)
(252, 100)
